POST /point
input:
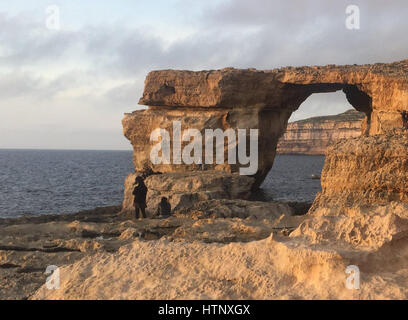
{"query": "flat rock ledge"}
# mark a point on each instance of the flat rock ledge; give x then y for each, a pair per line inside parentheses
(184, 189)
(29, 245)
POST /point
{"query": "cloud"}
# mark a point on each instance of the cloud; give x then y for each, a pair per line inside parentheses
(86, 78)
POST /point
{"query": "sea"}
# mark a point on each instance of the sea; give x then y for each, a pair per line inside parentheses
(36, 182)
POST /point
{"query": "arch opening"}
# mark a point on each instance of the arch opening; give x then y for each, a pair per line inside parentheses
(328, 113)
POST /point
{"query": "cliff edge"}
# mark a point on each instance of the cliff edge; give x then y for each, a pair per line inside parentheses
(313, 135)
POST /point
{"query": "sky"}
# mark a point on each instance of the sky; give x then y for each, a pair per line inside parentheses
(69, 88)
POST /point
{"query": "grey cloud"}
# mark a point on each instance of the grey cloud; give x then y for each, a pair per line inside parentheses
(268, 34)
(125, 95)
(296, 32)
(292, 32)
(16, 84)
(264, 34)
(27, 41)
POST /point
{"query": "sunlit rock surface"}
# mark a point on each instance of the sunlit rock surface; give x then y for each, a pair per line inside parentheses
(261, 99)
(313, 136)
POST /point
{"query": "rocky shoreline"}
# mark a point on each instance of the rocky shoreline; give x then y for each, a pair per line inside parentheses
(183, 257)
(218, 248)
(29, 245)
(218, 244)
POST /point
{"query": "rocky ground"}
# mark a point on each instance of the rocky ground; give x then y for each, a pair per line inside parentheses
(235, 258)
(249, 253)
(29, 244)
(223, 249)
(215, 247)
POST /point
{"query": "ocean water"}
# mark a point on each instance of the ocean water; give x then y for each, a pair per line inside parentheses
(34, 182)
(290, 178)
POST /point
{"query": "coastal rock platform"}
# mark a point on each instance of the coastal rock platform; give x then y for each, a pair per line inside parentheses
(30, 244)
(287, 264)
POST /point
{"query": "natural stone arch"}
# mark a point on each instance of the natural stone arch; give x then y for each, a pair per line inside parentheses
(295, 95)
(231, 98)
(358, 99)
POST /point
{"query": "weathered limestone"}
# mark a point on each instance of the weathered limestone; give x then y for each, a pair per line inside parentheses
(237, 208)
(138, 126)
(364, 198)
(356, 225)
(185, 189)
(264, 100)
(381, 89)
(314, 135)
(367, 171)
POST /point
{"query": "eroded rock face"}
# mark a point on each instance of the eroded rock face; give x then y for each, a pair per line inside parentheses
(367, 171)
(28, 245)
(380, 90)
(185, 189)
(314, 135)
(237, 208)
(273, 268)
(264, 100)
(356, 225)
(139, 125)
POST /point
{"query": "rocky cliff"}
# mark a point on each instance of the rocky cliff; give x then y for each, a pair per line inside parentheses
(359, 220)
(314, 135)
(263, 100)
(252, 99)
(365, 171)
(364, 199)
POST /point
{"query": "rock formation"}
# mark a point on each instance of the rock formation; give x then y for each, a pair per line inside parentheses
(184, 190)
(264, 100)
(139, 125)
(28, 245)
(225, 259)
(365, 171)
(312, 136)
(219, 247)
(364, 199)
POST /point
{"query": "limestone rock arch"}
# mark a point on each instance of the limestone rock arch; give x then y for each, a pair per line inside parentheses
(262, 99)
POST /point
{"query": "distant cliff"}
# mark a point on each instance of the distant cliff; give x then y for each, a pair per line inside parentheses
(313, 135)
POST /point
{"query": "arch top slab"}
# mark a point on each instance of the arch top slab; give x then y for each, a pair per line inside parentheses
(285, 88)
